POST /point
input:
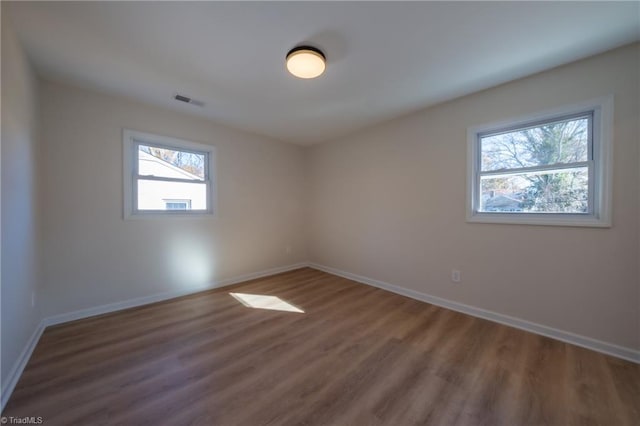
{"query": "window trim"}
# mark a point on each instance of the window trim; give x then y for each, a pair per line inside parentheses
(130, 140)
(600, 178)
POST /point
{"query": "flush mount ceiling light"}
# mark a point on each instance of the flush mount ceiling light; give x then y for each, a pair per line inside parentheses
(306, 62)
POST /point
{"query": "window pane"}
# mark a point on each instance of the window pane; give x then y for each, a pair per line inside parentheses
(154, 195)
(561, 142)
(162, 162)
(555, 191)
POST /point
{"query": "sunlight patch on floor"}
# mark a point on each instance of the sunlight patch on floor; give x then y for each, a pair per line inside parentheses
(261, 301)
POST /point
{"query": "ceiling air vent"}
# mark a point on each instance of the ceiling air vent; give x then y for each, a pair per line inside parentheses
(187, 100)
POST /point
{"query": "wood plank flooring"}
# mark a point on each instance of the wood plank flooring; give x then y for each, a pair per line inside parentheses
(356, 356)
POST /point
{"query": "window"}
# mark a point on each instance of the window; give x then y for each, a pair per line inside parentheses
(548, 169)
(166, 176)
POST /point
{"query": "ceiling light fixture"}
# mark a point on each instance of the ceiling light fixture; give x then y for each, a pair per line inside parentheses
(306, 62)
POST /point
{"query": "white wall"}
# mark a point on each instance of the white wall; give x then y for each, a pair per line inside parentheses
(388, 203)
(19, 175)
(638, 191)
(92, 256)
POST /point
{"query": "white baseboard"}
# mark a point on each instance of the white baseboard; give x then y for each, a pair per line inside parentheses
(140, 301)
(21, 362)
(617, 351)
(575, 339)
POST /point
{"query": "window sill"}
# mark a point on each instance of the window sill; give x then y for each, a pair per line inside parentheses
(164, 214)
(539, 219)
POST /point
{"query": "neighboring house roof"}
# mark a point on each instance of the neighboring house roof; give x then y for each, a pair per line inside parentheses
(151, 165)
(502, 202)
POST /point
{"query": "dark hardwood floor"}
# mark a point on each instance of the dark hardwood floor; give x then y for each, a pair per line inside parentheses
(356, 356)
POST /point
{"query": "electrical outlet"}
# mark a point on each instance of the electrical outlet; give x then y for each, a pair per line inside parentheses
(287, 249)
(455, 276)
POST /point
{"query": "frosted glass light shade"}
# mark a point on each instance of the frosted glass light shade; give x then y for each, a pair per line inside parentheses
(305, 62)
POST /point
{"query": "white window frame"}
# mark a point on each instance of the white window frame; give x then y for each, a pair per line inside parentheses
(600, 178)
(130, 141)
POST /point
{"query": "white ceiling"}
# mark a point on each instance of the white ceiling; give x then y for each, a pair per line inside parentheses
(384, 59)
